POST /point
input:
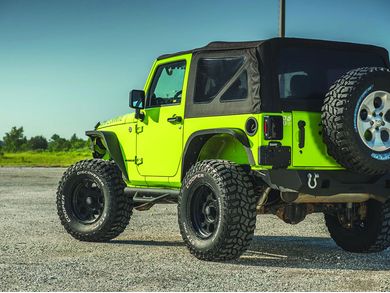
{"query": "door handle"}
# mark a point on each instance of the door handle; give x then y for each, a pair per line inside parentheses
(174, 119)
(301, 126)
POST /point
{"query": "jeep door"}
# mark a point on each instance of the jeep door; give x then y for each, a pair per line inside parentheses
(160, 134)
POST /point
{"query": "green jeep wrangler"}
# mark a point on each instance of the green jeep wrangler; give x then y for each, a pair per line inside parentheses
(283, 126)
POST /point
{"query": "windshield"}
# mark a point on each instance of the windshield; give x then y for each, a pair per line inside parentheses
(308, 73)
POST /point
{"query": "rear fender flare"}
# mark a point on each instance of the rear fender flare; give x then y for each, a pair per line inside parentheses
(198, 139)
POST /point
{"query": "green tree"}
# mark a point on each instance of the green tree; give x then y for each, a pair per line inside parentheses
(55, 137)
(15, 141)
(78, 143)
(37, 143)
(57, 144)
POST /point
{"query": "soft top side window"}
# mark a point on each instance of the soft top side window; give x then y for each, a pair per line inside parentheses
(238, 90)
(167, 85)
(212, 74)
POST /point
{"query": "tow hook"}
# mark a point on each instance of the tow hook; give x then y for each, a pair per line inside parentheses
(312, 180)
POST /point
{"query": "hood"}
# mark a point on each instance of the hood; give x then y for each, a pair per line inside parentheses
(124, 119)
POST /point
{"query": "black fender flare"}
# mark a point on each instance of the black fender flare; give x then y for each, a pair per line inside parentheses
(111, 142)
(197, 140)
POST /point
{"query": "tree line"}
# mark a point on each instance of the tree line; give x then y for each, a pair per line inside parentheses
(15, 141)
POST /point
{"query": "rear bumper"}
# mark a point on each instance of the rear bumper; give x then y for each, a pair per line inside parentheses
(326, 183)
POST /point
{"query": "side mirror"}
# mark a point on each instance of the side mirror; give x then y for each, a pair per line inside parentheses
(137, 102)
(137, 99)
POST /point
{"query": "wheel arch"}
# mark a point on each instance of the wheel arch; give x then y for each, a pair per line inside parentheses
(200, 145)
(112, 146)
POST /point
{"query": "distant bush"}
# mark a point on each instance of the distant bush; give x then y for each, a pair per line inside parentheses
(78, 143)
(15, 141)
(37, 143)
(57, 144)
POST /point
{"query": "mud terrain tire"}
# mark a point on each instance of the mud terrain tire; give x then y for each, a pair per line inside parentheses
(91, 203)
(340, 116)
(373, 236)
(230, 199)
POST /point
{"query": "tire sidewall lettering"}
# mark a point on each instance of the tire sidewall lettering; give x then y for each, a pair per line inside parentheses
(84, 172)
(66, 198)
(64, 211)
(192, 179)
(195, 181)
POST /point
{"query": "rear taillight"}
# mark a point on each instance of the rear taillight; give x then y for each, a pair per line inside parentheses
(273, 127)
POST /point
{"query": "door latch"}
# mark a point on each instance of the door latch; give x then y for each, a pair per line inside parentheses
(175, 119)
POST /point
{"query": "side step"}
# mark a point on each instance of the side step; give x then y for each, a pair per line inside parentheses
(145, 198)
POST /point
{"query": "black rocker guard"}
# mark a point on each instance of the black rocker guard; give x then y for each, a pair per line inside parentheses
(326, 183)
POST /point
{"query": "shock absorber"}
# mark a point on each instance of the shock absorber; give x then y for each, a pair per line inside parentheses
(349, 215)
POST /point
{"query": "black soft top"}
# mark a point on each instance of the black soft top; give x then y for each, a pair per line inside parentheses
(277, 42)
(261, 66)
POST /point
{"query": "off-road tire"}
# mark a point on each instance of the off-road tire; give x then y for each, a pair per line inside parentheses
(340, 133)
(373, 237)
(237, 206)
(117, 207)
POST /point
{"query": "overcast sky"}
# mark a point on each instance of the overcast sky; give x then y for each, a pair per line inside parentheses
(64, 65)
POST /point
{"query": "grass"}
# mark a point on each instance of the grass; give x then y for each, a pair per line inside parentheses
(43, 159)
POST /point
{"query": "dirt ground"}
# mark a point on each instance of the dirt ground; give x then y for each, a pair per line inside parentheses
(36, 254)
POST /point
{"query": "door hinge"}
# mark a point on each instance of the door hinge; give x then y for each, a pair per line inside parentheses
(139, 129)
(138, 161)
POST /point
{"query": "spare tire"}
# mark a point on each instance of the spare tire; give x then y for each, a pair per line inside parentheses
(356, 120)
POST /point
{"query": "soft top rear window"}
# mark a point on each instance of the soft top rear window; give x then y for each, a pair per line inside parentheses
(307, 73)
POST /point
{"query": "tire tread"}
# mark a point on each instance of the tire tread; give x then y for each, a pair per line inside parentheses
(335, 135)
(239, 219)
(121, 209)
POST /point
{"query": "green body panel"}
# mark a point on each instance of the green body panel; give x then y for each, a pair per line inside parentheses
(314, 154)
(192, 125)
(153, 148)
(224, 147)
(124, 128)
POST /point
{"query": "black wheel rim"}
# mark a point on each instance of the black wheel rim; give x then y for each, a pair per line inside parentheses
(204, 212)
(87, 201)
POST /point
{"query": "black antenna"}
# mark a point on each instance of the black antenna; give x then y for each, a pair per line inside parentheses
(282, 18)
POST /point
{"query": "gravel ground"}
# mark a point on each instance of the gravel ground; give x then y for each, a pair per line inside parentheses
(37, 255)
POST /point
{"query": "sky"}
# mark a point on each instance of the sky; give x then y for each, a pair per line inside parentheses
(65, 65)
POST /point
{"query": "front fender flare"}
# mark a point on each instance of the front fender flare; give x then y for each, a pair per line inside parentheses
(110, 140)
